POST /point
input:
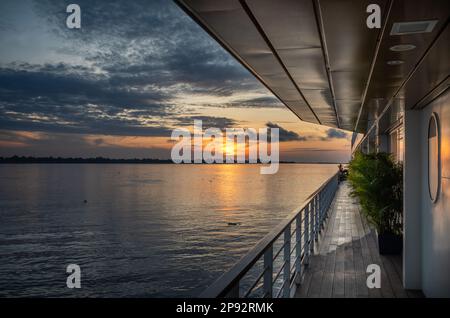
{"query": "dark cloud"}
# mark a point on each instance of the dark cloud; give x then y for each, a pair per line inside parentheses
(314, 149)
(335, 134)
(72, 145)
(149, 42)
(286, 135)
(134, 57)
(259, 102)
(66, 88)
(208, 122)
(19, 85)
(58, 99)
(98, 141)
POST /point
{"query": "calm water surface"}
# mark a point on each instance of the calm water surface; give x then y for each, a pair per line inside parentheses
(145, 230)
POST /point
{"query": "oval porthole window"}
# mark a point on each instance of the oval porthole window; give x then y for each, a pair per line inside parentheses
(433, 157)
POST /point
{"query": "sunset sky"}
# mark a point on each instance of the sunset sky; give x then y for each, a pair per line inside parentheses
(119, 86)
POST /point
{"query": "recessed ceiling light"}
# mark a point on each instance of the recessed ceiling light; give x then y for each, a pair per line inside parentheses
(403, 28)
(395, 62)
(402, 47)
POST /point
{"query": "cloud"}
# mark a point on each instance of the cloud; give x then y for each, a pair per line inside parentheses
(258, 102)
(98, 141)
(149, 43)
(286, 135)
(121, 74)
(72, 145)
(208, 121)
(335, 134)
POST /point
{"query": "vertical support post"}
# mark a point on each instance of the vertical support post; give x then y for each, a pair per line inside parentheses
(322, 195)
(306, 230)
(312, 223)
(325, 205)
(268, 273)
(331, 195)
(287, 262)
(412, 200)
(336, 184)
(298, 248)
(321, 206)
(318, 209)
(328, 194)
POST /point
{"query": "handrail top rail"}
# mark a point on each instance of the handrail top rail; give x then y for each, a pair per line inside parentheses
(223, 284)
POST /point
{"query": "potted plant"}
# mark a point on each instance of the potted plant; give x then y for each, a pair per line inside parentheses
(377, 181)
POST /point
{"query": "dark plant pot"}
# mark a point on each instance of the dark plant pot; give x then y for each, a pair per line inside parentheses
(390, 244)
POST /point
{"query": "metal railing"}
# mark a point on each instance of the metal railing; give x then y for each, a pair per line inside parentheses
(262, 272)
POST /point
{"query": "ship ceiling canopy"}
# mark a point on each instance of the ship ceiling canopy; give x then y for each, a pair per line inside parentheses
(323, 62)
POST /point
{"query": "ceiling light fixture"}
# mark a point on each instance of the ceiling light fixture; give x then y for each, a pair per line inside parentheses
(395, 62)
(403, 28)
(402, 47)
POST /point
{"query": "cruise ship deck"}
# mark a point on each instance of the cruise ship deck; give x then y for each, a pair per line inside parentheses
(388, 85)
(345, 248)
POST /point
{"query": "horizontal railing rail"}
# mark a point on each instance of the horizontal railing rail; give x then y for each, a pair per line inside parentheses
(299, 230)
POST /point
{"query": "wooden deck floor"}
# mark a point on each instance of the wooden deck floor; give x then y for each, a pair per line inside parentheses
(346, 247)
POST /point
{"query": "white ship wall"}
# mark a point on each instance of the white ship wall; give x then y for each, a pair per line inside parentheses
(427, 224)
(435, 217)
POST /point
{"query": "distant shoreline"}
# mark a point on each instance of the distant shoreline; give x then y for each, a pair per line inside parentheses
(101, 160)
(17, 159)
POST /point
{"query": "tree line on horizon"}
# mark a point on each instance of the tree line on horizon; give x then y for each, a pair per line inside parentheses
(31, 159)
(51, 159)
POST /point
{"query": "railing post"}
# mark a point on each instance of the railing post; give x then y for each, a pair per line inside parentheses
(335, 185)
(312, 225)
(298, 248)
(306, 230)
(317, 216)
(330, 194)
(287, 262)
(330, 198)
(323, 205)
(268, 273)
